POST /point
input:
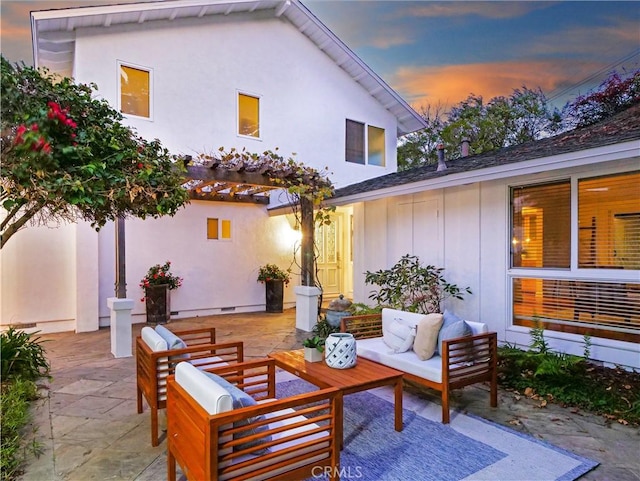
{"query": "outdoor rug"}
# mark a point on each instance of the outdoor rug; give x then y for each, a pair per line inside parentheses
(469, 448)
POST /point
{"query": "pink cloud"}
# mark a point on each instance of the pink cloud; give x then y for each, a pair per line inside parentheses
(482, 9)
(448, 85)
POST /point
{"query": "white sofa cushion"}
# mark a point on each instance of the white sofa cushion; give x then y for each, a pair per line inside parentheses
(376, 350)
(205, 391)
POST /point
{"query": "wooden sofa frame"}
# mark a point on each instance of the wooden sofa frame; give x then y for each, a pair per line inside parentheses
(465, 360)
(152, 368)
(206, 445)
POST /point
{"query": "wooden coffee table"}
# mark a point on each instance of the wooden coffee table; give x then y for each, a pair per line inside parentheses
(363, 376)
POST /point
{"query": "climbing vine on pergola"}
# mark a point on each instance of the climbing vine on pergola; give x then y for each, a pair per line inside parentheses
(238, 175)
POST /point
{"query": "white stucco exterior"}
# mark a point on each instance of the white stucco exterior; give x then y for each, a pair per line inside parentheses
(201, 55)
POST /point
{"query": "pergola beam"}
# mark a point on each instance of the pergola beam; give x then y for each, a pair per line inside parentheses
(198, 172)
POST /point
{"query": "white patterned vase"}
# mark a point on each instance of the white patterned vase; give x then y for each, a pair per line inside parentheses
(340, 350)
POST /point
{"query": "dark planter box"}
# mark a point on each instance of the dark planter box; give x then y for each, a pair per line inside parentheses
(275, 294)
(158, 304)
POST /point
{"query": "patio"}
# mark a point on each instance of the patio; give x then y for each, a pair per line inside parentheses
(88, 426)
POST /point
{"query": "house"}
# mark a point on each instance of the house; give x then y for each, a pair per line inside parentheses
(546, 233)
(200, 74)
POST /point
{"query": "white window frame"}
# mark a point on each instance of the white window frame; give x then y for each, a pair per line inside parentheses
(237, 127)
(122, 63)
(366, 144)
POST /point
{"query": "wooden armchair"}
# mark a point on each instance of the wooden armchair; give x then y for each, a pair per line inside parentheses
(154, 362)
(211, 439)
(463, 361)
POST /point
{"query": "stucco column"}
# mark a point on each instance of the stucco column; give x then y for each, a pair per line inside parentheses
(306, 307)
(121, 339)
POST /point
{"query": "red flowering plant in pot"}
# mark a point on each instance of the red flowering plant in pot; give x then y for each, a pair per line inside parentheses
(156, 285)
(274, 280)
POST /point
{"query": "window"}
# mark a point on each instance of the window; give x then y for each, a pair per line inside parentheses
(355, 143)
(248, 115)
(376, 146)
(609, 222)
(576, 298)
(541, 225)
(218, 229)
(135, 91)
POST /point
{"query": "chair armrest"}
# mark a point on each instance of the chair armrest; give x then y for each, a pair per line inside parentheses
(362, 327)
(469, 359)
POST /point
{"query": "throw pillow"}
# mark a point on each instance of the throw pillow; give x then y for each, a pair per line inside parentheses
(448, 319)
(399, 336)
(242, 400)
(173, 341)
(457, 329)
(427, 336)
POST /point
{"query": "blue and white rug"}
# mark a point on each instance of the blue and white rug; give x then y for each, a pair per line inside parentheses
(469, 448)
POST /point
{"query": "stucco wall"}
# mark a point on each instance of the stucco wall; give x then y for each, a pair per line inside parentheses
(199, 65)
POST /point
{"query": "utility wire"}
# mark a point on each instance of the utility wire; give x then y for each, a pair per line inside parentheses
(594, 75)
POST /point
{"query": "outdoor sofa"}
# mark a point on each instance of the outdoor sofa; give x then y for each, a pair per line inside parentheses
(459, 361)
(157, 353)
(225, 423)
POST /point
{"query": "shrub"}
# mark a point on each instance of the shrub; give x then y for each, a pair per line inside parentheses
(22, 356)
(410, 286)
(14, 414)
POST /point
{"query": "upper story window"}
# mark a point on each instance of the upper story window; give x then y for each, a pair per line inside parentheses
(135, 91)
(361, 144)
(249, 115)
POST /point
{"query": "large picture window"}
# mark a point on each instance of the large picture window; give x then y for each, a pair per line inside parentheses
(135, 91)
(582, 286)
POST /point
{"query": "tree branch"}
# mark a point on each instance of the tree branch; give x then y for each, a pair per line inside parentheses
(13, 228)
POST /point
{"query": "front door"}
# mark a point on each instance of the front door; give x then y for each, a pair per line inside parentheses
(328, 245)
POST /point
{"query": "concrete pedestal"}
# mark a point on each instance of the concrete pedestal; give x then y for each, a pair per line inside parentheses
(121, 339)
(306, 307)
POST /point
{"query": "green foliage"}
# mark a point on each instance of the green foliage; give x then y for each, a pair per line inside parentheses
(315, 342)
(570, 380)
(66, 155)
(322, 329)
(410, 286)
(14, 414)
(359, 309)
(503, 121)
(271, 272)
(160, 275)
(22, 356)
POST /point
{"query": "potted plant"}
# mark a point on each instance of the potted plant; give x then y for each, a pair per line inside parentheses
(274, 280)
(156, 285)
(313, 348)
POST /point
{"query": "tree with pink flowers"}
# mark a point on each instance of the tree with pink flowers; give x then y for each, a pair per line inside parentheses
(67, 156)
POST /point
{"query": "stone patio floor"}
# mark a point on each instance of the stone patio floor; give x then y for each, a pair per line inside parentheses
(88, 428)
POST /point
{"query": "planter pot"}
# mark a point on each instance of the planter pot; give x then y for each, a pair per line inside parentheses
(274, 291)
(311, 354)
(158, 306)
(340, 350)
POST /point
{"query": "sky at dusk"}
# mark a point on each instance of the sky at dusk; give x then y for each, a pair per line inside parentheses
(438, 53)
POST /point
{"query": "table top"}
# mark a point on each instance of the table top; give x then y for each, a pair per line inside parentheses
(364, 375)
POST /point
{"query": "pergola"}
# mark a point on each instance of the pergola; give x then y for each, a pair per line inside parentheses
(244, 182)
